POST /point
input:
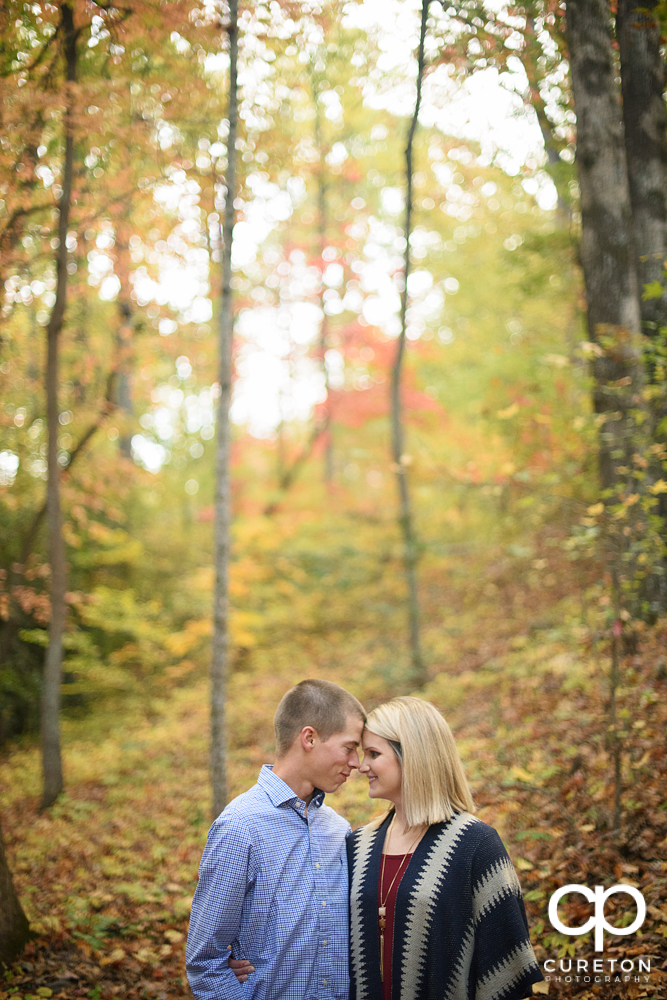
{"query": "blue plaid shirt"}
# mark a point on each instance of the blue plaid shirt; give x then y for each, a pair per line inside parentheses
(272, 884)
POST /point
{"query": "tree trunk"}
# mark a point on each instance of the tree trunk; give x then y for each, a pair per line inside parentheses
(642, 85)
(606, 240)
(405, 518)
(14, 927)
(219, 664)
(124, 339)
(10, 626)
(321, 426)
(51, 755)
(531, 55)
(322, 226)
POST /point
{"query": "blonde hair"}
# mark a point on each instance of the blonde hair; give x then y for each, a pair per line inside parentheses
(434, 783)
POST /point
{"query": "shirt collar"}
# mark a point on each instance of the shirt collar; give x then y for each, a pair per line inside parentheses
(280, 792)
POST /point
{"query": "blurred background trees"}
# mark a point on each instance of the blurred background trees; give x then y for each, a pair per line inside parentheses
(114, 186)
(516, 378)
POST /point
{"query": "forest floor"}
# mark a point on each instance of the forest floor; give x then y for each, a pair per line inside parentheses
(107, 875)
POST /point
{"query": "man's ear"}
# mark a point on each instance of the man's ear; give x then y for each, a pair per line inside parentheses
(308, 738)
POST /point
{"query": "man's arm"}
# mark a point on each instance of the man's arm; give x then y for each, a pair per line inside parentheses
(225, 874)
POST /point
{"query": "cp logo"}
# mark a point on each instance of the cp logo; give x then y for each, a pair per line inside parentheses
(598, 897)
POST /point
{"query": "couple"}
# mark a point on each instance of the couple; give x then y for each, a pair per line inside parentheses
(432, 908)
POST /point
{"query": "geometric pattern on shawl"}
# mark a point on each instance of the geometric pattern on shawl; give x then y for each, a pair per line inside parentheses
(501, 880)
(486, 927)
(423, 903)
(506, 974)
(362, 854)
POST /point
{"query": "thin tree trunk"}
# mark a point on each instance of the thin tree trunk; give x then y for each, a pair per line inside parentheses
(123, 381)
(219, 664)
(322, 227)
(530, 56)
(614, 683)
(405, 518)
(51, 755)
(13, 229)
(14, 927)
(606, 240)
(321, 426)
(15, 572)
(642, 85)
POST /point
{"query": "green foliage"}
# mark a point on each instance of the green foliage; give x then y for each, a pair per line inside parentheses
(497, 411)
(515, 540)
(652, 290)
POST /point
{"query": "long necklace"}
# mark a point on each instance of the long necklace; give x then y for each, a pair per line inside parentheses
(382, 908)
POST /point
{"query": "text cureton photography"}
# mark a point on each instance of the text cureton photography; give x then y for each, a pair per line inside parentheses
(333, 500)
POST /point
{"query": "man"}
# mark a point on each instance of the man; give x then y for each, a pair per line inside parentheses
(273, 885)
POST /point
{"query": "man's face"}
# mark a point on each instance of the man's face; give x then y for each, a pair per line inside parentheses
(332, 761)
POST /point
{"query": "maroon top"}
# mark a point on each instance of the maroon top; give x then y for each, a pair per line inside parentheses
(394, 865)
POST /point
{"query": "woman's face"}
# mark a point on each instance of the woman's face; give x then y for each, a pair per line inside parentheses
(381, 767)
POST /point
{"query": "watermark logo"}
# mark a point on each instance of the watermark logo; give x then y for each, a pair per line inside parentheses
(598, 896)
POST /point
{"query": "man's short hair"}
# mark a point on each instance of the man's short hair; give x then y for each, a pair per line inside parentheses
(320, 704)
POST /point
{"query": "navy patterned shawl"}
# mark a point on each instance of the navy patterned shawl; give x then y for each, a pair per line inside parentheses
(460, 930)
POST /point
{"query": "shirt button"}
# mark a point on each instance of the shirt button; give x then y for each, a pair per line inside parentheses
(324, 902)
(317, 864)
(324, 982)
(324, 942)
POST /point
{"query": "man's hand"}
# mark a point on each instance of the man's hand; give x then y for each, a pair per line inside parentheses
(241, 968)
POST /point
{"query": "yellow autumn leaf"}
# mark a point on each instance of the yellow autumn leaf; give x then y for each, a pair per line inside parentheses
(659, 487)
(595, 509)
(524, 865)
(522, 775)
(511, 411)
(243, 626)
(645, 758)
(590, 349)
(117, 955)
(148, 956)
(180, 643)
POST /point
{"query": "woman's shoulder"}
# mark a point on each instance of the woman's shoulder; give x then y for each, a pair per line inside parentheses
(466, 828)
(364, 833)
(462, 829)
(361, 841)
(474, 844)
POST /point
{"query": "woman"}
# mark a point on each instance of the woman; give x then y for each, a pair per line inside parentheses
(435, 904)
